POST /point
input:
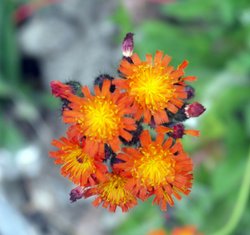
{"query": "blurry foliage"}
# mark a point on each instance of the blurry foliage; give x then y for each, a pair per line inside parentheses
(19, 101)
(140, 220)
(215, 37)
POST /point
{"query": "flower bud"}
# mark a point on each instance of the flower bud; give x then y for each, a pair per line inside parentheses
(59, 89)
(178, 131)
(128, 45)
(76, 194)
(194, 110)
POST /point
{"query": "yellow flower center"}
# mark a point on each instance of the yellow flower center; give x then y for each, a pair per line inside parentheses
(151, 86)
(155, 166)
(80, 159)
(114, 192)
(101, 119)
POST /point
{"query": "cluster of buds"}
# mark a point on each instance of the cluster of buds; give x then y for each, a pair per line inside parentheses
(123, 142)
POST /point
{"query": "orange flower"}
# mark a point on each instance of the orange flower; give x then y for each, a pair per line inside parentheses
(111, 193)
(154, 86)
(157, 232)
(157, 167)
(187, 230)
(101, 118)
(78, 164)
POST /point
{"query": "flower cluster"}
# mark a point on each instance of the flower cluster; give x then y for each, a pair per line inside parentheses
(124, 137)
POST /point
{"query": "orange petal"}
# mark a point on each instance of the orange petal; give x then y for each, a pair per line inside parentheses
(149, 58)
(168, 143)
(189, 78)
(160, 138)
(192, 132)
(172, 108)
(86, 92)
(105, 87)
(136, 59)
(161, 117)
(158, 57)
(163, 129)
(126, 135)
(166, 60)
(183, 65)
(145, 138)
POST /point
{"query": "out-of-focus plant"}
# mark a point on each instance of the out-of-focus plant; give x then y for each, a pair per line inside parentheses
(19, 102)
(214, 35)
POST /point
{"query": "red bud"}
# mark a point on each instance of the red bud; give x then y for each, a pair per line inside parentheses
(60, 89)
(76, 194)
(194, 110)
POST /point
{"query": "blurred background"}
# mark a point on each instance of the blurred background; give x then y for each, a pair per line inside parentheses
(45, 40)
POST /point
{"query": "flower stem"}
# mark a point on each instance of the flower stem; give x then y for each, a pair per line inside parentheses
(240, 204)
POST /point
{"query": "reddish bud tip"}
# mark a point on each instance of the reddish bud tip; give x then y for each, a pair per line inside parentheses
(76, 194)
(178, 131)
(128, 45)
(59, 89)
(194, 110)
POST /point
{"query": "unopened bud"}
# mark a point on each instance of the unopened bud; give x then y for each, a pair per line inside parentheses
(178, 131)
(59, 89)
(76, 194)
(194, 110)
(128, 45)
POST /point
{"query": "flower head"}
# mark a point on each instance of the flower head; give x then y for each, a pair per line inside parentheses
(100, 118)
(187, 230)
(157, 232)
(111, 193)
(153, 86)
(78, 164)
(158, 167)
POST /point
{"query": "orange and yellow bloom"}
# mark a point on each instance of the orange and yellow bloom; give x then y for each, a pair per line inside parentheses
(157, 232)
(186, 230)
(78, 164)
(112, 193)
(100, 118)
(158, 167)
(153, 86)
(107, 153)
